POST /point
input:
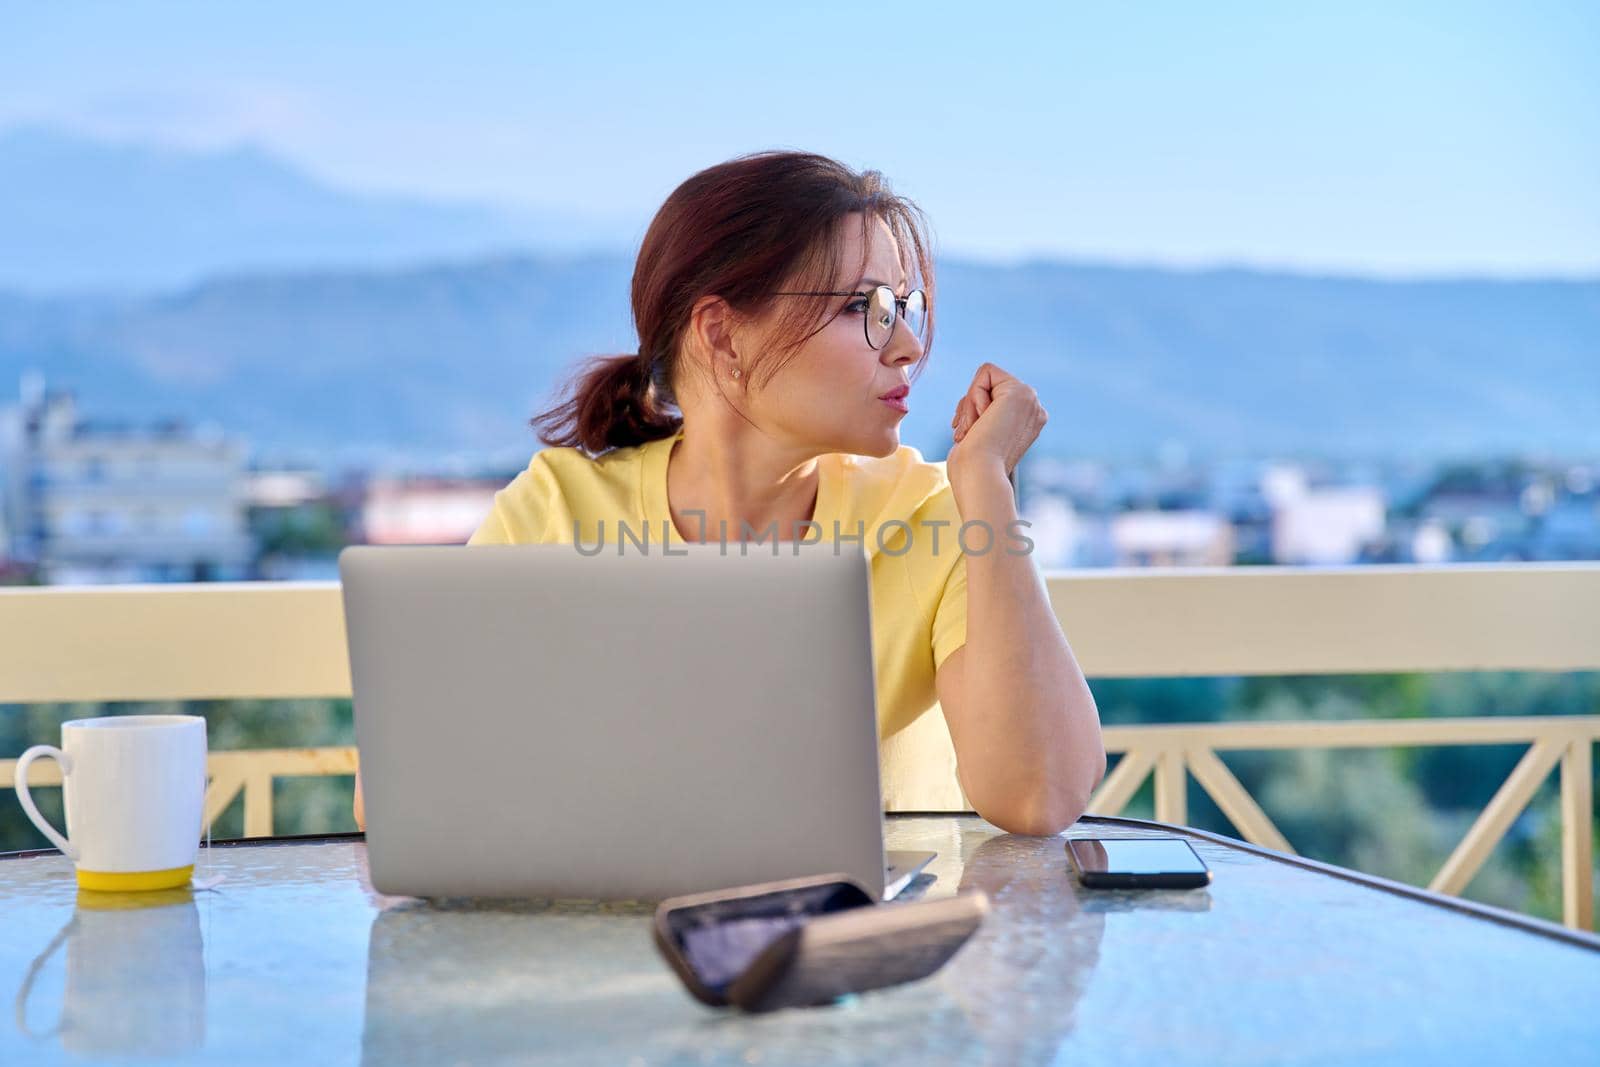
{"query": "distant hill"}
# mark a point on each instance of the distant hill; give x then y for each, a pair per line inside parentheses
(236, 289)
(424, 362)
(78, 213)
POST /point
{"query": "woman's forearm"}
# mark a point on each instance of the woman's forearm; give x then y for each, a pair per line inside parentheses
(1028, 736)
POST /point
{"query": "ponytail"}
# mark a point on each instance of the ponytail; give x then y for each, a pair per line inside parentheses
(613, 403)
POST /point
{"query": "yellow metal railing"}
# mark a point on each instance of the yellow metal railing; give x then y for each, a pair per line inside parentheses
(1172, 753)
(229, 641)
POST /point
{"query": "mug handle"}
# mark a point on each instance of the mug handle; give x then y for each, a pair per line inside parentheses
(67, 848)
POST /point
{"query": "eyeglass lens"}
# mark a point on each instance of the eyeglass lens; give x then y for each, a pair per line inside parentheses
(881, 315)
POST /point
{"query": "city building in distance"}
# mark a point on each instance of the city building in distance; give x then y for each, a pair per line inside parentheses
(91, 503)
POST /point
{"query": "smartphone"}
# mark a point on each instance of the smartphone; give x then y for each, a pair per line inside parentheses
(1137, 863)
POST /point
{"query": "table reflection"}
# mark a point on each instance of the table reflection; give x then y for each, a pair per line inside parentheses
(1021, 977)
(135, 977)
(450, 980)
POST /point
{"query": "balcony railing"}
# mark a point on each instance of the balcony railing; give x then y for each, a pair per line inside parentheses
(270, 640)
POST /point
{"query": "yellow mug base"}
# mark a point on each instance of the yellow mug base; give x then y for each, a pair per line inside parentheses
(134, 881)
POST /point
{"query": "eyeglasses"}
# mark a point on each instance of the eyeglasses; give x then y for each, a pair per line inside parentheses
(883, 309)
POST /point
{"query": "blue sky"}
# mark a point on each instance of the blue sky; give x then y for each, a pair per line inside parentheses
(1387, 138)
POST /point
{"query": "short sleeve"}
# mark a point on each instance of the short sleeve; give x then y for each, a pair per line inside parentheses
(492, 531)
(520, 510)
(950, 616)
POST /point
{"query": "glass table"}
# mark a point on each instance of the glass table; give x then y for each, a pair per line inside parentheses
(294, 958)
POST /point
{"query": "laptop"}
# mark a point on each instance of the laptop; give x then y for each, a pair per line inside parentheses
(636, 723)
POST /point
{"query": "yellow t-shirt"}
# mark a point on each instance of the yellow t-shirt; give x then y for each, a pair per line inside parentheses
(918, 574)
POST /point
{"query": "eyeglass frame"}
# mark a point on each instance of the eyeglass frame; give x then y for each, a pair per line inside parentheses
(900, 305)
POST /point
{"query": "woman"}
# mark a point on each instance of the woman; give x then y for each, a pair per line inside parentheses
(779, 334)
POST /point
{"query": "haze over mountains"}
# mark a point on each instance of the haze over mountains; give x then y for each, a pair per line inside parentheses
(314, 338)
(82, 214)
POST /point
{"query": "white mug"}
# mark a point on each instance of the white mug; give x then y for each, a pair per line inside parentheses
(134, 789)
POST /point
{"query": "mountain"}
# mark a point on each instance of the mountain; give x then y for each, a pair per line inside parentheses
(230, 287)
(424, 362)
(83, 214)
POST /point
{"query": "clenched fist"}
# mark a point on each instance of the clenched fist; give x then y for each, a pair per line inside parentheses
(996, 422)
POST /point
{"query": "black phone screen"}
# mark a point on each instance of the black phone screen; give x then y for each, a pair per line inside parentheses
(1169, 860)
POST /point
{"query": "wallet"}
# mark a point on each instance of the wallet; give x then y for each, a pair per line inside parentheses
(807, 941)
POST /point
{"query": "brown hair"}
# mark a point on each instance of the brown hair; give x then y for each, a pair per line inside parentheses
(742, 230)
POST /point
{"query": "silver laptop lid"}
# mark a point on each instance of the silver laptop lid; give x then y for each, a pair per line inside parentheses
(534, 721)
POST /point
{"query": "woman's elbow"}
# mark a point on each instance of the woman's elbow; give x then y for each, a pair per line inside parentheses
(1031, 820)
(1040, 813)
(1047, 807)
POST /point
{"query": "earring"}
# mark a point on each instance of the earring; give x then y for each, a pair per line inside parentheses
(737, 372)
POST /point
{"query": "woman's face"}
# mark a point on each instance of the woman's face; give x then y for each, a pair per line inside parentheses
(827, 397)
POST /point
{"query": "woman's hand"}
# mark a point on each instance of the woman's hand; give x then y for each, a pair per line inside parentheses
(996, 421)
